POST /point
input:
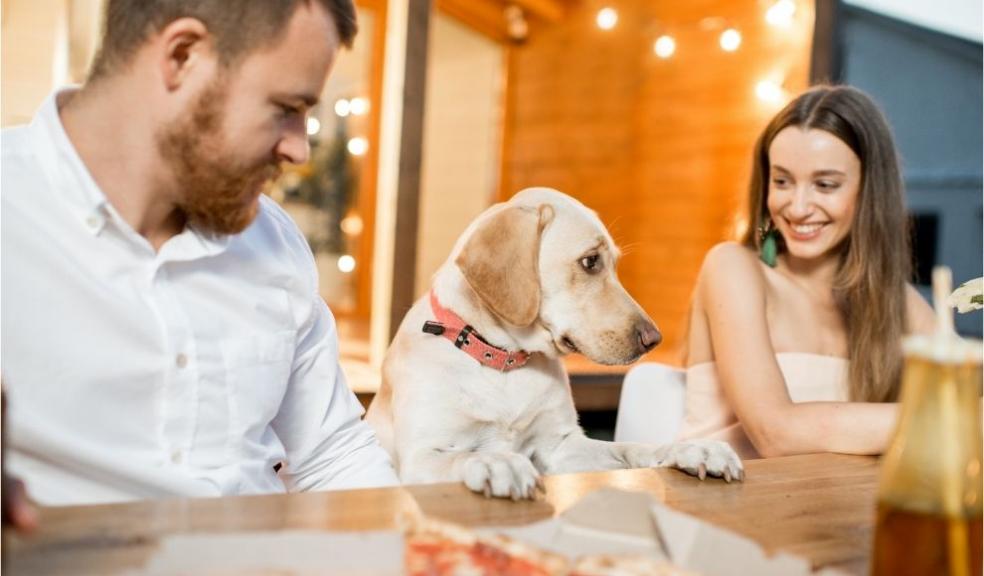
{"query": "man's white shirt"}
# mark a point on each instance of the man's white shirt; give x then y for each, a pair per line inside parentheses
(190, 371)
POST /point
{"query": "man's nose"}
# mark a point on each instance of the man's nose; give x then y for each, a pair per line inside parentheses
(293, 146)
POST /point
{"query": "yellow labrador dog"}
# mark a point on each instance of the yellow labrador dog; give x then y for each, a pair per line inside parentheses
(473, 387)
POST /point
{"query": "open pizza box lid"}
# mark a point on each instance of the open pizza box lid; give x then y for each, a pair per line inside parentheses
(611, 521)
(604, 522)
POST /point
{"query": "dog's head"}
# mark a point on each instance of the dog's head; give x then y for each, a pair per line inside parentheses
(545, 258)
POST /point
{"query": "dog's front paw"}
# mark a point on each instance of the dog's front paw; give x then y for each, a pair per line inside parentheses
(504, 475)
(703, 458)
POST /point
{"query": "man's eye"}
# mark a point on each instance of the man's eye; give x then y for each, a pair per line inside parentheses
(288, 111)
(591, 263)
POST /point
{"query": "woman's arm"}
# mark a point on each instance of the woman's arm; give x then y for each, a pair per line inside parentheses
(732, 293)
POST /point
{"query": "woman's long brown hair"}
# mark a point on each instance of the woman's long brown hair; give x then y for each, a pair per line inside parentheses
(870, 284)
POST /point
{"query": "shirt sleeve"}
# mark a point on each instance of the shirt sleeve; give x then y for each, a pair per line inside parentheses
(328, 445)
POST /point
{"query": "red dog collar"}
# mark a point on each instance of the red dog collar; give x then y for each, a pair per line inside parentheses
(452, 327)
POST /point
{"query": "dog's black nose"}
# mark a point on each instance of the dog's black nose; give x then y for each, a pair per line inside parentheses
(649, 336)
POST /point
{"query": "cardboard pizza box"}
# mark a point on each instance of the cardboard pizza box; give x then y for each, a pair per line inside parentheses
(607, 521)
(611, 521)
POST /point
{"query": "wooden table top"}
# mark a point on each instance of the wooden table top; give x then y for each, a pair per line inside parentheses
(820, 507)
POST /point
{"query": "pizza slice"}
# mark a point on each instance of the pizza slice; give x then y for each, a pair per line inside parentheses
(436, 548)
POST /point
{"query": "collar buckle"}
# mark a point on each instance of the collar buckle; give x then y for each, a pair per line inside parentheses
(451, 326)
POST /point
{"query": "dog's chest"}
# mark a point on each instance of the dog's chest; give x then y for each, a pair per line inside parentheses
(508, 406)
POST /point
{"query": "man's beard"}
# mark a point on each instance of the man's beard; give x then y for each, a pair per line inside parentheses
(216, 192)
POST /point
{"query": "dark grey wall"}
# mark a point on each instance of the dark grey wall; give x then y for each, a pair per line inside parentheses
(929, 85)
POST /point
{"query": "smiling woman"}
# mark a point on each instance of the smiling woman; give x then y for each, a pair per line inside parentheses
(814, 181)
(794, 333)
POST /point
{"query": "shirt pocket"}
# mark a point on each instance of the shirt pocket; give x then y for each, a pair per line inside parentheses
(257, 371)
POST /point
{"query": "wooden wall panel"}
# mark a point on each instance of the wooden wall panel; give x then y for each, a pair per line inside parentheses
(660, 148)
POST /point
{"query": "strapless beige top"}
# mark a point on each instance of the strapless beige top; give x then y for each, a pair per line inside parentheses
(809, 378)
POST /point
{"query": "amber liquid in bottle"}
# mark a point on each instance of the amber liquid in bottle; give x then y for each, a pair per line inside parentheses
(929, 502)
(919, 544)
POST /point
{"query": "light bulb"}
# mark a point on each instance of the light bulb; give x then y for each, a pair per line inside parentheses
(781, 13)
(357, 146)
(769, 91)
(346, 263)
(607, 18)
(358, 106)
(664, 46)
(343, 107)
(730, 40)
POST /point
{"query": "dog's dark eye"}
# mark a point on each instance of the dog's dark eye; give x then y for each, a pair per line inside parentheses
(591, 264)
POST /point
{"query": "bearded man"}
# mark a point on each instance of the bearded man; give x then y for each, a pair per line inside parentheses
(163, 334)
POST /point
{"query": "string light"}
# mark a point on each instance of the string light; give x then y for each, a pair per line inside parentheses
(664, 46)
(730, 40)
(781, 13)
(351, 225)
(516, 25)
(346, 263)
(358, 106)
(607, 18)
(357, 146)
(313, 126)
(343, 107)
(769, 91)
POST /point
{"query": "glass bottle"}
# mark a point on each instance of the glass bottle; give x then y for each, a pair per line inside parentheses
(929, 495)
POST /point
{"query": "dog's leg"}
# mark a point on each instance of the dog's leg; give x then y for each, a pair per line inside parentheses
(701, 458)
(501, 474)
(575, 452)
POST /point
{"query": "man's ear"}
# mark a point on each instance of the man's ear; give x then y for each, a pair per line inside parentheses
(500, 261)
(181, 47)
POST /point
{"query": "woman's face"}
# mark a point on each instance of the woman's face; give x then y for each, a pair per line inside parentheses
(814, 179)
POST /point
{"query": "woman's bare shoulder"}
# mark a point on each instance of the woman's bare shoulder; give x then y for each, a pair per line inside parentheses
(733, 266)
(729, 282)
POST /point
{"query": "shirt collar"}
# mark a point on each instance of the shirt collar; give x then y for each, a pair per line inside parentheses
(63, 165)
(193, 243)
(85, 198)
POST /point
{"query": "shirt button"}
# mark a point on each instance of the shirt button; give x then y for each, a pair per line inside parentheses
(176, 456)
(181, 360)
(92, 222)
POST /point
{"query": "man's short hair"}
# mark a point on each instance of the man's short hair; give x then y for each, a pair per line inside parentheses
(237, 26)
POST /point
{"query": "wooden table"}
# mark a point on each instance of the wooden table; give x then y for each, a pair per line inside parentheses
(820, 507)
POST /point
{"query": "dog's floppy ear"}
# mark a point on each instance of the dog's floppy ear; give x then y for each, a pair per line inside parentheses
(501, 262)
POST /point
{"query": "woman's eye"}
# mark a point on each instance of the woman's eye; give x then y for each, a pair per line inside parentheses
(780, 182)
(591, 263)
(828, 185)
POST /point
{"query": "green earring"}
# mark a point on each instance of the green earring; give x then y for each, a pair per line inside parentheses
(770, 248)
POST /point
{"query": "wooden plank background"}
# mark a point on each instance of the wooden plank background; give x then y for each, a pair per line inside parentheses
(660, 148)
